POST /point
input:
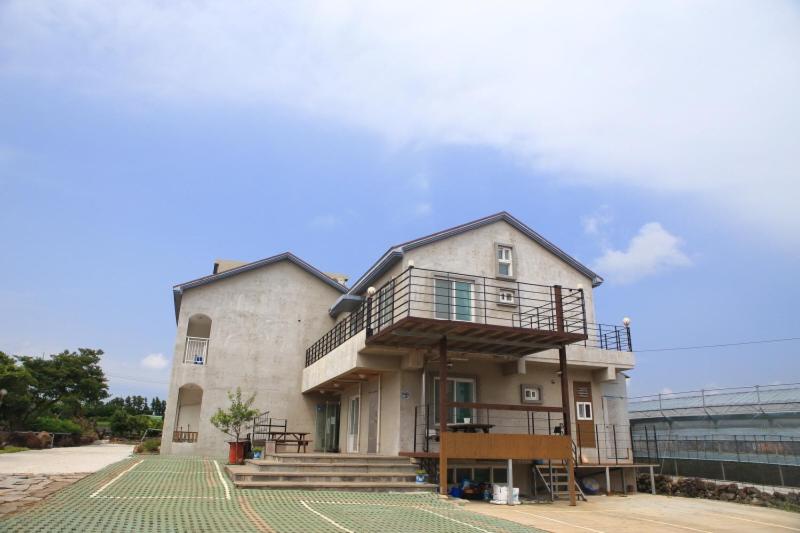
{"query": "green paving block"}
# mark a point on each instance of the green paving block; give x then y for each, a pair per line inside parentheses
(186, 494)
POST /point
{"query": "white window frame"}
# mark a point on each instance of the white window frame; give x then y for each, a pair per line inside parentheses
(452, 308)
(510, 302)
(584, 411)
(531, 397)
(501, 259)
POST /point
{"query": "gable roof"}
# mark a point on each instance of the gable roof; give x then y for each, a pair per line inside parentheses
(395, 254)
(177, 290)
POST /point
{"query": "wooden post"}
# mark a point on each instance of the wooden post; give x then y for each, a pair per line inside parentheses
(565, 403)
(571, 481)
(442, 415)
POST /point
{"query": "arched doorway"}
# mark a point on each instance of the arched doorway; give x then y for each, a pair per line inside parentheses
(187, 417)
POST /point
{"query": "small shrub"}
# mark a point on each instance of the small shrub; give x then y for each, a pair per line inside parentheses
(52, 424)
(149, 446)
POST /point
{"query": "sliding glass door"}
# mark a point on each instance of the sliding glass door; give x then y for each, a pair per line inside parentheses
(458, 390)
(453, 299)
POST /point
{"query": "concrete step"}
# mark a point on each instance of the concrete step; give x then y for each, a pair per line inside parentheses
(323, 477)
(369, 486)
(405, 467)
(339, 458)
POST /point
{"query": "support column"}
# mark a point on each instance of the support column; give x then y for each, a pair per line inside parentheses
(608, 481)
(510, 482)
(442, 415)
(652, 480)
(565, 403)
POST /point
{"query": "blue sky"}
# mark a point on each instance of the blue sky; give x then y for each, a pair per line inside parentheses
(140, 142)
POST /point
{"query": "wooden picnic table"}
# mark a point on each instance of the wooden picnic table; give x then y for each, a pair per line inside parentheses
(290, 437)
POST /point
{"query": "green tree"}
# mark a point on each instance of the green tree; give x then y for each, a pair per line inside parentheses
(16, 380)
(233, 420)
(65, 384)
(157, 406)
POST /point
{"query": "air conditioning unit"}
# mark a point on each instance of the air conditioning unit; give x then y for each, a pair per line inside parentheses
(198, 359)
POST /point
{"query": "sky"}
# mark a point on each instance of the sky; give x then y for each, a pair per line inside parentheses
(656, 142)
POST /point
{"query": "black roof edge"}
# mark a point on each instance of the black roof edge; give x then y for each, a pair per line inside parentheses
(395, 253)
(178, 289)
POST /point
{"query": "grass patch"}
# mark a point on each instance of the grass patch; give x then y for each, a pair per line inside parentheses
(13, 449)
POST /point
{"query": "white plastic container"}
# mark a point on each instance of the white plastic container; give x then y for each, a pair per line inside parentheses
(500, 495)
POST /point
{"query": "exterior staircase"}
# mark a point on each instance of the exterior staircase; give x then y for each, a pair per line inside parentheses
(328, 471)
(556, 479)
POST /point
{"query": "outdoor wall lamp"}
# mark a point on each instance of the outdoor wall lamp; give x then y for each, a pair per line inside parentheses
(371, 291)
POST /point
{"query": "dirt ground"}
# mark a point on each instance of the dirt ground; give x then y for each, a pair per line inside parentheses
(644, 512)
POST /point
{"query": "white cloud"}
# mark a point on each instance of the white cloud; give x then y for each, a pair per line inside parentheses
(697, 98)
(155, 361)
(666, 390)
(594, 223)
(649, 252)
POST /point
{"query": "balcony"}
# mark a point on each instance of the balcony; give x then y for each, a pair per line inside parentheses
(196, 352)
(476, 313)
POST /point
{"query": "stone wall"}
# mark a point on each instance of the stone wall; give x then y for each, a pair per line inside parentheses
(692, 487)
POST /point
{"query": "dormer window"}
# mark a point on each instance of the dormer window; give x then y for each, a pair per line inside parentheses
(505, 261)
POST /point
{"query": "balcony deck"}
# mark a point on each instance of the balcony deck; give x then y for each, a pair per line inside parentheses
(470, 337)
(477, 314)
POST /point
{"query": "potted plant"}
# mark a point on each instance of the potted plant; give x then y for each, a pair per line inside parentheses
(232, 422)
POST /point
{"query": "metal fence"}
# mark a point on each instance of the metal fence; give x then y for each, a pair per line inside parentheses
(759, 459)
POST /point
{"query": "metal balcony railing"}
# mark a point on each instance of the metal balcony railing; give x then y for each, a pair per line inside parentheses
(196, 352)
(435, 294)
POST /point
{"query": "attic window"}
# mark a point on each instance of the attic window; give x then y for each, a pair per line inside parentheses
(505, 261)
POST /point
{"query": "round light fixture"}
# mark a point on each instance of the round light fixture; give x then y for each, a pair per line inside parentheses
(371, 291)
(626, 321)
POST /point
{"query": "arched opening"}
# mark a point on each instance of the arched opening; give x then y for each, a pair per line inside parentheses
(187, 417)
(198, 333)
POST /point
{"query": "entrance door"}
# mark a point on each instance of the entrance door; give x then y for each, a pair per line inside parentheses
(584, 414)
(327, 427)
(353, 414)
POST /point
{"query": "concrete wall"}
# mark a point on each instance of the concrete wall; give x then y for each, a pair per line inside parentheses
(262, 322)
(402, 392)
(473, 253)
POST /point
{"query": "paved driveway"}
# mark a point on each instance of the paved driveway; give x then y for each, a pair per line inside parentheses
(80, 459)
(192, 494)
(645, 512)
